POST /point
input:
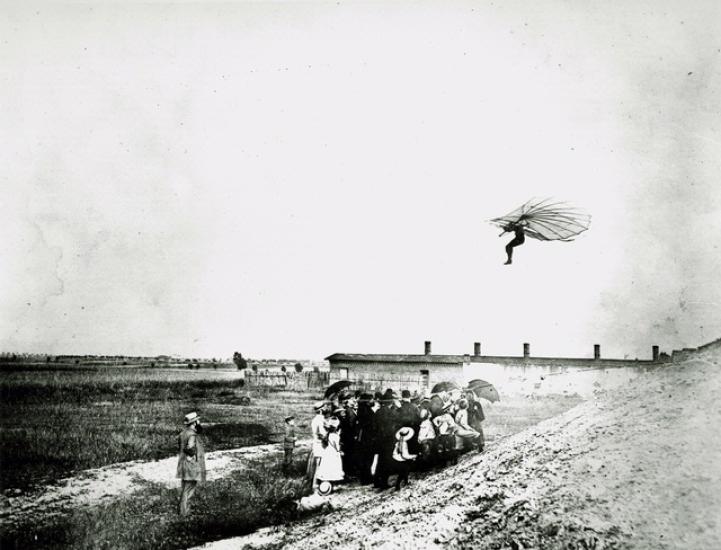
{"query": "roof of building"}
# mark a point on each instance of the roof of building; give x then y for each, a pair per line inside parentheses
(394, 358)
(460, 359)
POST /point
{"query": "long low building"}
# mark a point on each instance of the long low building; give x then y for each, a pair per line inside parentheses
(376, 372)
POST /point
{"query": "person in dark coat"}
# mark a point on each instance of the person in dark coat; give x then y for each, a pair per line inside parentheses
(348, 436)
(366, 440)
(476, 417)
(191, 460)
(386, 424)
(410, 417)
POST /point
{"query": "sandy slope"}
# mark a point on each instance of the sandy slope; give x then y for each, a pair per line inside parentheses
(636, 468)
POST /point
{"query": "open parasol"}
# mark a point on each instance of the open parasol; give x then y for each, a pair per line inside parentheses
(445, 386)
(484, 390)
(335, 387)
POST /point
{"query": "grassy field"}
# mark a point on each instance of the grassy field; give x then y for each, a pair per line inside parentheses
(56, 422)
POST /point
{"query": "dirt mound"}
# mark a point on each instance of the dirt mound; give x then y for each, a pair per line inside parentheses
(632, 468)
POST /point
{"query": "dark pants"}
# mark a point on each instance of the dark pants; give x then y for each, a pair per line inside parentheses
(447, 448)
(427, 454)
(365, 461)
(384, 468)
(187, 490)
(350, 460)
(287, 459)
(401, 469)
(518, 241)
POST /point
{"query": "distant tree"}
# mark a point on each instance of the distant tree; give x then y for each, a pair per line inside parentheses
(48, 359)
(298, 367)
(240, 361)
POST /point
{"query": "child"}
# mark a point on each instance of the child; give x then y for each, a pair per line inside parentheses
(426, 439)
(465, 434)
(288, 443)
(446, 427)
(401, 457)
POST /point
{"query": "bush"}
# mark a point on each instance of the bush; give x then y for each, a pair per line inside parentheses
(240, 361)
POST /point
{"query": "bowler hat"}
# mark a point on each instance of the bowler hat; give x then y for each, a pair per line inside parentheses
(287, 418)
(389, 395)
(324, 488)
(319, 405)
(405, 394)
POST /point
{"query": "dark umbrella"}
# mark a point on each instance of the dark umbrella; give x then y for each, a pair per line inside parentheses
(335, 387)
(484, 390)
(445, 386)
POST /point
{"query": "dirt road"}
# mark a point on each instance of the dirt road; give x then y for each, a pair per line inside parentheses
(95, 486)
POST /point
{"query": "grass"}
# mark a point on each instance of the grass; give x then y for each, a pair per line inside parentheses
(54, 423)
(234, 506)
(57, 422)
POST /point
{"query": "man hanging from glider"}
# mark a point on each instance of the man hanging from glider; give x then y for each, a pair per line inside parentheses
(518, 240)
(543, 220)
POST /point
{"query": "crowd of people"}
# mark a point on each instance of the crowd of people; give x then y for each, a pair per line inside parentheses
(363, 436)
(374, 437)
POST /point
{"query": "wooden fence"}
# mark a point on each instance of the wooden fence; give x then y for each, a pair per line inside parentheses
(298, 381)
(382, 381)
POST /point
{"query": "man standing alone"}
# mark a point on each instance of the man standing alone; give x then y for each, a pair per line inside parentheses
(191, 460)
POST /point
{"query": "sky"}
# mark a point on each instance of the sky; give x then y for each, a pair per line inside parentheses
(299, 179)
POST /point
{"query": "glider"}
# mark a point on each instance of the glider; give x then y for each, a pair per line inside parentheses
(542, 219)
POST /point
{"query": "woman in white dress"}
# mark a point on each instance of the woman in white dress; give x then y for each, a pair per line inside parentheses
(331, 463)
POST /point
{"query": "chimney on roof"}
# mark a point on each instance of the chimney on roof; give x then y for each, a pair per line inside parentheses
(476, 348)
(526, 350)
(654, 352)
(428, 347)
(596, 351)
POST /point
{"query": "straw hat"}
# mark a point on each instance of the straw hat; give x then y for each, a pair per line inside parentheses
(404, 434)
(324, 488)
(190, 418)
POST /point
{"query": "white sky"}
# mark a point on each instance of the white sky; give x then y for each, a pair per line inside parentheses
(294, 180)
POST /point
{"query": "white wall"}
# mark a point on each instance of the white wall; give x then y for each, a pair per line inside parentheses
(545, 380)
